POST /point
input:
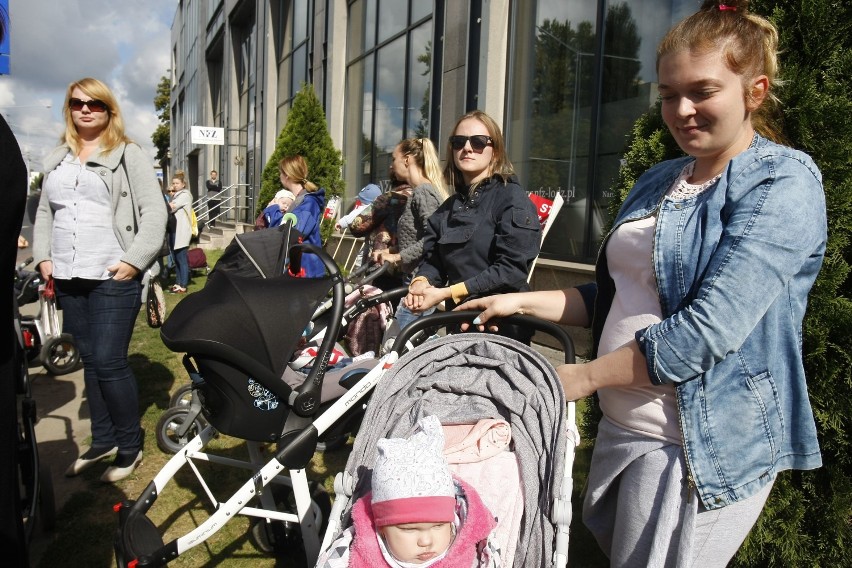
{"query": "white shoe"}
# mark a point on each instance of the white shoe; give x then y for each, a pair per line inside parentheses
(121, 467)
(88, 459)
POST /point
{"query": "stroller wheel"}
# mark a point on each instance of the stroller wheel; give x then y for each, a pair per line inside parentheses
(283, 538)
(182, 397)
(331, 443)
(60, 355)
(171, 437)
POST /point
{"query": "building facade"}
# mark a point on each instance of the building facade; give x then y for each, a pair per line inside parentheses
(565, 78)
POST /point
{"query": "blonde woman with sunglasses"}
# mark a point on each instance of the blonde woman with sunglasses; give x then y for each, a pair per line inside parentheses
(483, 239)
(415, 162)
(100, 224)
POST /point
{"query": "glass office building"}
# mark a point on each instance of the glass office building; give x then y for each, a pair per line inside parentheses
(565, 78)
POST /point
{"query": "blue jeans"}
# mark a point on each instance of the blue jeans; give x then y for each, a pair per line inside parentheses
(100, 314)
(404, 316)
(182, 264)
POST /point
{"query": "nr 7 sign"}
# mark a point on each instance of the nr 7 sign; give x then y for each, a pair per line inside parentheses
(207, 135)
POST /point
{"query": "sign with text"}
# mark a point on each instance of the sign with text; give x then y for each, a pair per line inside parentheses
(4, 46)
(207, 135)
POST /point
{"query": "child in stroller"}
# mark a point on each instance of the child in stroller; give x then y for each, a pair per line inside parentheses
(418, 512)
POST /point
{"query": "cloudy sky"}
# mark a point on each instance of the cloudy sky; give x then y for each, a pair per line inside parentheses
(124, 43)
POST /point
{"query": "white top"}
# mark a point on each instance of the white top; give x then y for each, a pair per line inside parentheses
(649, 410)
(83, 239)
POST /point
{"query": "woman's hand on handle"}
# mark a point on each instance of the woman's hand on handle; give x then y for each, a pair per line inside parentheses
(559, 306)
(46, 269)
(491, 308)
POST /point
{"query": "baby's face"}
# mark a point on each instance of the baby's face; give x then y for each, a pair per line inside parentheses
(284, 203)
(417, 542)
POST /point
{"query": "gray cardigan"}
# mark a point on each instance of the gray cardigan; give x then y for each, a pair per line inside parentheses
(424, 200)
(138, 209)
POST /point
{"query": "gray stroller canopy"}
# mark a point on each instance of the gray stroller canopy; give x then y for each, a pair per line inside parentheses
(464, 378)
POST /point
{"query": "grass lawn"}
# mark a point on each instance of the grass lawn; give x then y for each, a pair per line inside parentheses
(86, 525)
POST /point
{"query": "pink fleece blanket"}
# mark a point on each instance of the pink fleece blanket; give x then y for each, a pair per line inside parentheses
(481, 455)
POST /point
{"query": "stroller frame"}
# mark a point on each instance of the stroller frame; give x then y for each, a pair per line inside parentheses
(43, 341)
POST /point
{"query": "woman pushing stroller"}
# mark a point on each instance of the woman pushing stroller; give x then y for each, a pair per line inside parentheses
(418, 513)
(696, 315)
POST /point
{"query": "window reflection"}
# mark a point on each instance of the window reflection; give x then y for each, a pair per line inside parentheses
(393, 18)
(392, 80)
(420, 65)
(293, 31)
(565, 134)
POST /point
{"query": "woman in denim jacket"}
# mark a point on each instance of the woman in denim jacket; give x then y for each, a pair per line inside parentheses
(701, 289)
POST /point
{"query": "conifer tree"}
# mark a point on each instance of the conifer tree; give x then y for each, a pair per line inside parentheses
(305, 134)
(807, 520)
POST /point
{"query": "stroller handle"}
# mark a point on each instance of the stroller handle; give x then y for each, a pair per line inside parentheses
(368, 272)
(443, 319)
(305, 400)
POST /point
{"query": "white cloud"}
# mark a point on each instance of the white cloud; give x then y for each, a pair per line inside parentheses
(125, 44)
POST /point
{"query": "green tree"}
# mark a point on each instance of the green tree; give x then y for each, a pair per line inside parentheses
(807, 520)
(35, 184)
(162, 134)
(305, 134)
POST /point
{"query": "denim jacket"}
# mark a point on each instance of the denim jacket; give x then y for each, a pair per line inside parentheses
(734, 266)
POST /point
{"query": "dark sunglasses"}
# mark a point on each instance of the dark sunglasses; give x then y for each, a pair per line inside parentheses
(478, 142)
(94, 105)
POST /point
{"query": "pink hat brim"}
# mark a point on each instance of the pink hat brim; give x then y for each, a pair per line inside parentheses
(431, 509)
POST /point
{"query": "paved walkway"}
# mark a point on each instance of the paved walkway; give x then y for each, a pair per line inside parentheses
(63, 427)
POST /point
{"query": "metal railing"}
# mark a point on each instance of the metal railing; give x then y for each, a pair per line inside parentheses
(355, 245)
(227, 203)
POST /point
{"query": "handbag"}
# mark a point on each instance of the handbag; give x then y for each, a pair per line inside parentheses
(193, 220)
(260, 222)
(155, 303)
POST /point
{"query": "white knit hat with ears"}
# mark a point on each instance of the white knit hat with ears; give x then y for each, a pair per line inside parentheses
(411, 480)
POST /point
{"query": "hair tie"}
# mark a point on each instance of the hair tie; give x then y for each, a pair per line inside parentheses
(725, 7)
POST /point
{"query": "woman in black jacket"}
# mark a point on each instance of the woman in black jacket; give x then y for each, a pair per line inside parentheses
(484, 238)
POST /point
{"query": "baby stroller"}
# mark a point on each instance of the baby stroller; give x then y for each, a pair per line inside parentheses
(238, 333)
(34, 481)
(41, 334)
(463, 379)
(368, 311)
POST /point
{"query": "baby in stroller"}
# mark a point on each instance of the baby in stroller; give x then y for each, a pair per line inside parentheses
(418, 513)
